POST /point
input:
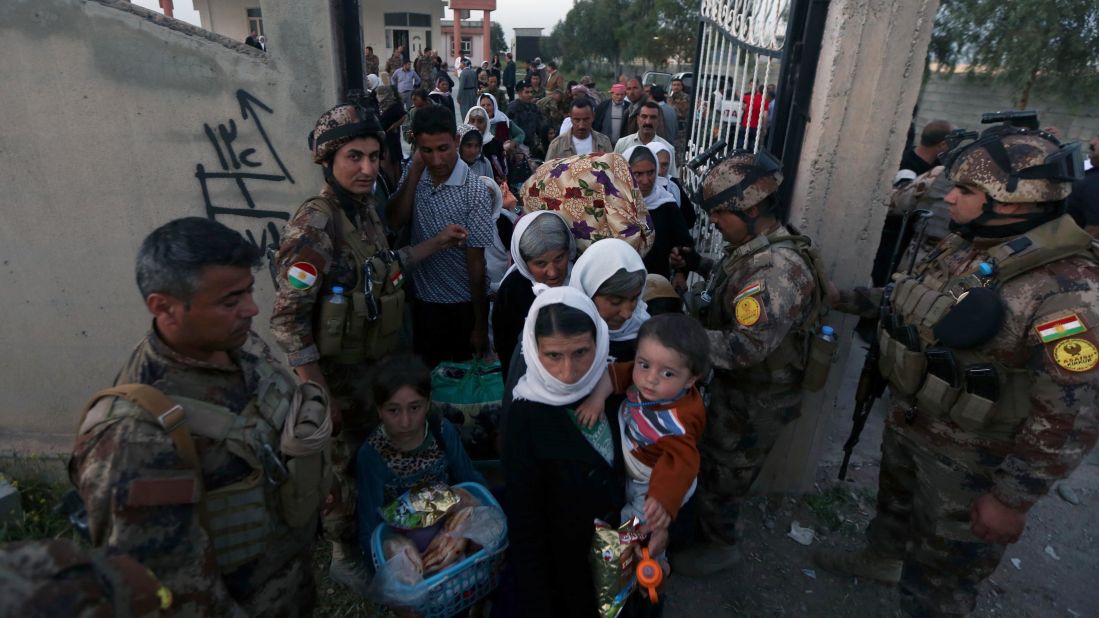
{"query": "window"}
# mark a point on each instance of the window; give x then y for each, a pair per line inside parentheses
(255, 20)
(400, 20)
(467, 45)
(466, 13)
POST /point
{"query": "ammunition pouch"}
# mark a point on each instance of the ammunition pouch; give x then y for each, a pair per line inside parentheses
(242, 517)
(368, 327)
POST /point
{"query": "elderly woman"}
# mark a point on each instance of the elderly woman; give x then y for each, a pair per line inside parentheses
(491, 148)
(542, 251)
(560, 478)
(664, 157)
(613, 275)
(669, 226)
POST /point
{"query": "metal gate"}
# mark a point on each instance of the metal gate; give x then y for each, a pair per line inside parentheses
(747, 50)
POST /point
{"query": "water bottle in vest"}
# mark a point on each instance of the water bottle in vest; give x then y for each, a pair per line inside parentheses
(331, 324)
(822, 349)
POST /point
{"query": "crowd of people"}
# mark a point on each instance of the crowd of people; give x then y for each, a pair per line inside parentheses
(628, 393)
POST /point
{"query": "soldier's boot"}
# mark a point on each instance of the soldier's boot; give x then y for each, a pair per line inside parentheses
(348, 569)
(865, 563)
(706, 559)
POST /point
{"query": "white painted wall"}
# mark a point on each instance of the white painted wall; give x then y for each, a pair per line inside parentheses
(106, 107)
(227, 17)
(374, 24)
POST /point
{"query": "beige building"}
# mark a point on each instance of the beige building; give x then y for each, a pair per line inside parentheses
(386, 24)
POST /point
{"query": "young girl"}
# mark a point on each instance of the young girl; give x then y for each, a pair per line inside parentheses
(412, 446)
(470, 142)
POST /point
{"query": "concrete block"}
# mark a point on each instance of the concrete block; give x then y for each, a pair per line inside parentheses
(11, 506)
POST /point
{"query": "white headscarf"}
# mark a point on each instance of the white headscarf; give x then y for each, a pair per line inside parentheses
(497, 115)
(659, 195)
(373, 81)
(600, 262)
(537, 384)
(664, 180)
(486, 135)
(517, 261)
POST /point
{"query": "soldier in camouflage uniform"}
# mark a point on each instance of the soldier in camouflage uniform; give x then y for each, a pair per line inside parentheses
(60, 578)
(759, 305)
(990, 354)
(679, 100)
(198, 491)
(332, 241)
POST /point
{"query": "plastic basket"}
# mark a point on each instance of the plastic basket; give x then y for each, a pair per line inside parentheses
(463, 583)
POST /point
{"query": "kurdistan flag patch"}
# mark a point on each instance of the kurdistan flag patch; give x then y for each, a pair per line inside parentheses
(1060, 328)
(302, 275)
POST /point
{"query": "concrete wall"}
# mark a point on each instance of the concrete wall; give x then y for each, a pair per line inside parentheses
(116, 119)
(868, 79)
(962, 101)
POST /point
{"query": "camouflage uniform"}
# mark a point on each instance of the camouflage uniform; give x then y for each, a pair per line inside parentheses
(936, 462)
(682, 104)
(948, 439)
(140, 493)
(764, 292)
(553, 111)
(372, 64)
(311, 237)
(925, 192)
(60, 578)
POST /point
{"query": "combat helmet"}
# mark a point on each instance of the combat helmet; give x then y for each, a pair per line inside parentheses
(340, 125)
(742, 180)
(1017, 165)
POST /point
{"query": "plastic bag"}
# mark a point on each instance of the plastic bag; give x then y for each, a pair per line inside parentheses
(395, 582)
(484, 526)
(468, 394)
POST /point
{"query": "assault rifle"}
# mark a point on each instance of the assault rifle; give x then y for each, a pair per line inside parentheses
(871, 383)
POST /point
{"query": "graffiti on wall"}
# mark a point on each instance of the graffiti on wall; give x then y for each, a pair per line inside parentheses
(246, 159)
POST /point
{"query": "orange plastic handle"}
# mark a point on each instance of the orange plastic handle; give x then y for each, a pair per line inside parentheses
(649, 574)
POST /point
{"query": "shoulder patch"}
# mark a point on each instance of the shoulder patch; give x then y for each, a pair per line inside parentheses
(749, 290)
(180, 489)
(748, 311)
(301, 275)
(1060, 328)
(1077, 355)
(318, 219)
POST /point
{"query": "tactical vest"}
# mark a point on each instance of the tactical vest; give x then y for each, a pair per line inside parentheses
(369, 326)
(240, 518)
(809, 355)
(922, 299)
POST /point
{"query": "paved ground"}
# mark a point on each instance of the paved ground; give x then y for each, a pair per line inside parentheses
(778, 578)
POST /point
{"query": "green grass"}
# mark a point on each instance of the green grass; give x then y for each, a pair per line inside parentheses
(39, 519)
(835, 506)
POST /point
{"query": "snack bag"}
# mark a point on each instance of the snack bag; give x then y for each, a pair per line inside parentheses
(610, 555)
(420, 507)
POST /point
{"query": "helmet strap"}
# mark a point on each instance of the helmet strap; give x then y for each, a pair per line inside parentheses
(348, 203)
(978, 227)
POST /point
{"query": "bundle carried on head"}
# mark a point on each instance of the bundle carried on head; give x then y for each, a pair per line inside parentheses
(597, 197)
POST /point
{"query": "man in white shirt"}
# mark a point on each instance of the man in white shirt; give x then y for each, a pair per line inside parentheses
(580, 138)
(647, 118)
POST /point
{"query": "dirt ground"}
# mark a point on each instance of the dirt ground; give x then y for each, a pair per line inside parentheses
(778, 578)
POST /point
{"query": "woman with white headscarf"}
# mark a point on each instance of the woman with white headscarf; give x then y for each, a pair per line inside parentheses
(664, 156)
(542, 251)
(612, 274)
(669, 226)
(492, 148)
(499, 123)
(559, 477)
